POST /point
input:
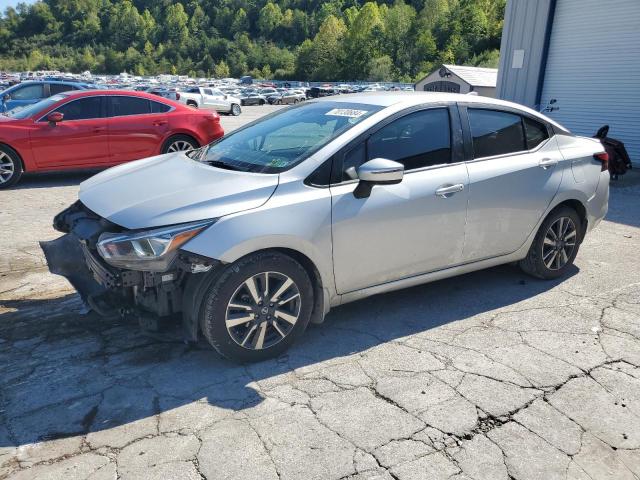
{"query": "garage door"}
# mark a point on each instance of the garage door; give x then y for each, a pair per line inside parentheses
(593, 68)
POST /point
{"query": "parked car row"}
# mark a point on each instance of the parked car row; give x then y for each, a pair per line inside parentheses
(98, 128)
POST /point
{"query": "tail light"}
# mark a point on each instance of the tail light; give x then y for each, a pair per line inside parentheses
(177, 96)
(604, 158)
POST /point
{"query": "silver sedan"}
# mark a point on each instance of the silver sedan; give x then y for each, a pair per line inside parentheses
(333, 200)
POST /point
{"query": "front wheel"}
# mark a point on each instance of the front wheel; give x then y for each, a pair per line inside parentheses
(10, 167)
(179, 143)
(257, 307)
(235, 110)
(555, 246)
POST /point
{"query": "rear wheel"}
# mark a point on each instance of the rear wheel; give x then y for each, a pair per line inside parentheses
(179, 143)
(555, 246)
(257, 307)
(235, 110)
(10, 167)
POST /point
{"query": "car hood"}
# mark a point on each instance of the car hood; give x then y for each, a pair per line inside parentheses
(170, 189)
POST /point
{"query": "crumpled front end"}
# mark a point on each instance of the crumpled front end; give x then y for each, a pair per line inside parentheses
(112, 291)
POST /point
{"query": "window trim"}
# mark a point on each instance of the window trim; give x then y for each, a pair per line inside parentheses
(455, 127)
(104, 107)
(468, 139)
(109, 107)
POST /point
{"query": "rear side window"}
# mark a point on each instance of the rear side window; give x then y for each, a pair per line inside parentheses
(157, 107)
(55, 88)
(28, 92)
(82, 109)
(124, 106)
(535, 132)
(495, 133)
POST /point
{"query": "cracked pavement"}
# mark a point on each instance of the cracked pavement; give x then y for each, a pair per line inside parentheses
(492, 375)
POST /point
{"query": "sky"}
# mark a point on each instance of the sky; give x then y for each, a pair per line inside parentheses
(12, 3)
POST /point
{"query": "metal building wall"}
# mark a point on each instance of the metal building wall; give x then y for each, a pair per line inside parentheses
(593, 68)
(526, 31)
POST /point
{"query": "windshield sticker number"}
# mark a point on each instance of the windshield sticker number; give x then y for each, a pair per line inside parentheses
(346, 112)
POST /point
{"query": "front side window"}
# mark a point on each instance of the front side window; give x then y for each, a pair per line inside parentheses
(28, 92)
(417, 140)
(36, 108)
(285, 138)
(124, 106)
(207, 91)
(82, 109)
(495, 132)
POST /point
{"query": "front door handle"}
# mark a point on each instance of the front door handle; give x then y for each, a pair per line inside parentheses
(547, 162)
(445, 191)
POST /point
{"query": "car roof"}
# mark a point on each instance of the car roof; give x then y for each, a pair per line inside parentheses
(131, 93)
(387, 99)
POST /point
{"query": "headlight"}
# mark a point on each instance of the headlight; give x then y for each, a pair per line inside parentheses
(151, 250)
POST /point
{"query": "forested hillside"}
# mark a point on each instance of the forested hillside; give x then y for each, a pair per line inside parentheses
(301, 39)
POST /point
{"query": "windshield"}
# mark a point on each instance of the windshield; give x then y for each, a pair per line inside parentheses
(29, 110)
(285, 138)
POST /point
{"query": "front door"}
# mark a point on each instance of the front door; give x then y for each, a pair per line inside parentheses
(134, 130)
(80, 139)
(512, 180)
(406, 229)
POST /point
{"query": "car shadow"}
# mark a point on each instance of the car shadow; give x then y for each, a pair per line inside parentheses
(54, 179)
(66, 374)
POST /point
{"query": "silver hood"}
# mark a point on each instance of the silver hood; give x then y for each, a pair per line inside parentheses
(172, 188)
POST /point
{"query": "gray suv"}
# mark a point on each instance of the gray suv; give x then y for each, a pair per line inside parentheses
(252, 237)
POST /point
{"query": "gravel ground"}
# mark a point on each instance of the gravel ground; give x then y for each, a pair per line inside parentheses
(492, 375)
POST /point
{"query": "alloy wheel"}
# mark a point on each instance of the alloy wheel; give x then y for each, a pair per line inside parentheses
(559, 243)
(179, 146)
(7, 168)
(235, 109)
(263, 310)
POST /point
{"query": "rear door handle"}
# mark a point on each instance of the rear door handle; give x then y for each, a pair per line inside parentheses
(447, 190)
(159, 123)
(547, 162)
(99, 129)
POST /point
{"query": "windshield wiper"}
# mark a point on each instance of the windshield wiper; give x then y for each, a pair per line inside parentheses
(219, 164)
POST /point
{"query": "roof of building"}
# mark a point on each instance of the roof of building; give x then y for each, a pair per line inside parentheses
(475, 76)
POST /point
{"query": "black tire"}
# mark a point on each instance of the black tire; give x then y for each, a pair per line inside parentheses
(10, 167)
(261, 102)
(243, 103)
(213, 312)
(178, 139)
(235, 110)
(534, 264)
(191, 103)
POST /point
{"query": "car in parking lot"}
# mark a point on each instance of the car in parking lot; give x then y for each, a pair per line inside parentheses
(286, 98)
(327, 202)
(199, 97)
(252, 97)
(28, 93)
(98, 128)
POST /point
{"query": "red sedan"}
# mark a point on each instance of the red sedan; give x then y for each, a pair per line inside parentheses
(96, 128)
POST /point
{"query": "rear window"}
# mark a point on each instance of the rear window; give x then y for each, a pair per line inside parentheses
(495, 132)
(157, 107)
(122, 106)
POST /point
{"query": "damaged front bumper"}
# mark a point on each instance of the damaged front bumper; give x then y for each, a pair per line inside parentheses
(111, 291)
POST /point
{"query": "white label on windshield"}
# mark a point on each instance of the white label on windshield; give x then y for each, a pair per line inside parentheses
(346, 112)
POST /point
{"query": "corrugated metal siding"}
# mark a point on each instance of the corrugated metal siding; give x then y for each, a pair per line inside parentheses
(525, 23)
(593, 68)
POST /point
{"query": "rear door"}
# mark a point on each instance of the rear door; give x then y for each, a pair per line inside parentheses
(513, 177)
(135, 129)
(80, 139)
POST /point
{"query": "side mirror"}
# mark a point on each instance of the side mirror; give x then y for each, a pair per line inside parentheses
(55, 117)
(378, 171)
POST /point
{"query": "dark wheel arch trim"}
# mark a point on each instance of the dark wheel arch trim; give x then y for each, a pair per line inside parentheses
(6, 145)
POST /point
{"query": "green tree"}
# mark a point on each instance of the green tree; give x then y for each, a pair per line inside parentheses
(269, 19)
(221, 70)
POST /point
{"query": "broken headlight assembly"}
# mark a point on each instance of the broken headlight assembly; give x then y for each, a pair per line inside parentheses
(150, 250)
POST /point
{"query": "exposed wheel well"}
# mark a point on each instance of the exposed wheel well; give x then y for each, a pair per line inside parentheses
(579, 209)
